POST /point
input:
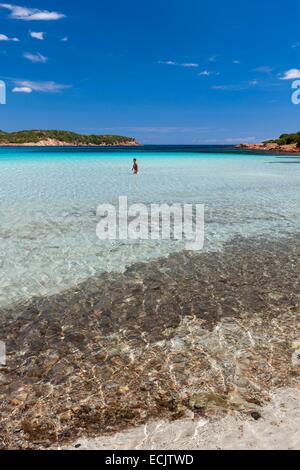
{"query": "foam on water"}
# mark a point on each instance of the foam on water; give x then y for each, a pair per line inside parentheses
(48, 205)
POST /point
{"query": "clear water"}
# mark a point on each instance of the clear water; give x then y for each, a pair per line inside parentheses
(48, 202)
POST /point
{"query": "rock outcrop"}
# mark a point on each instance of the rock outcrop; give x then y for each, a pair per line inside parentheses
(59, 143)
(270, 147)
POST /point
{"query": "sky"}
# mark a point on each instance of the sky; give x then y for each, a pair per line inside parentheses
(163, 71)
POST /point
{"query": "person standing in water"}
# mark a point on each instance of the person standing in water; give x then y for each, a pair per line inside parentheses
(135, 167)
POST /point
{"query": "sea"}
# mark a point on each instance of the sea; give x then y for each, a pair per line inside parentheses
(49, 199)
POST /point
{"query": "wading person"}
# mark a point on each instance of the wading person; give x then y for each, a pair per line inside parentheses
(135, 167)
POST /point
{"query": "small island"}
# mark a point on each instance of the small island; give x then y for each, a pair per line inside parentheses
(60, 138)
(287, 143)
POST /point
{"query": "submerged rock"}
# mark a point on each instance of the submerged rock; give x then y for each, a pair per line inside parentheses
(212, 402)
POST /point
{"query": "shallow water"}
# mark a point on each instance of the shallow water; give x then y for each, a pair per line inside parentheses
(189, 336)
(186, 335)
(48, 202)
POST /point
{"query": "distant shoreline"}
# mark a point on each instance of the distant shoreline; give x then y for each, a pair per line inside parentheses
(61, 138)
(271, 147)
(66, 144)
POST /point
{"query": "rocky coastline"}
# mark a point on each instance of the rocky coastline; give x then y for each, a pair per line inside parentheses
(59, 143)
(271, 147)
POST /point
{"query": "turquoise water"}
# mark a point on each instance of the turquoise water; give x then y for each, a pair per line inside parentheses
(48, 203)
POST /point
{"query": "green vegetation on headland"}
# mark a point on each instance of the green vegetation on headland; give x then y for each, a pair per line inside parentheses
(286, 139)
(58, 137)
(287, 143)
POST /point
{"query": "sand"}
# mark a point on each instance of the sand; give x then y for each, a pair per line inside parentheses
(277, 429)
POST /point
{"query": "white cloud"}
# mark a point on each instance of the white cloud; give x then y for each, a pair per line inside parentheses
(184, 64)
(291, 74)
(31, 14)
(42, 87)
(168, 62)
(65, 39)
(189, 65)
(23, 89)
(36, 58)
(205, 73)
(3, 37)
(213, 58)
(236, 62)
(35, 35)
(236, 87)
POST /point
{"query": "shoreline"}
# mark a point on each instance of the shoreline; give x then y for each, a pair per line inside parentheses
(271, 147)
(65, 144)
(211, 334)
(276, 427)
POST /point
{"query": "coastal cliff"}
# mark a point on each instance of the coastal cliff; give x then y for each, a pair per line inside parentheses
(289, 148)
(57, 138)
(289, 143)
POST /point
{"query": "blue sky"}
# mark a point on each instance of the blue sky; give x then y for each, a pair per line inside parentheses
(164, 71)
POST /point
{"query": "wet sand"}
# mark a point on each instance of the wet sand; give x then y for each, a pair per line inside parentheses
(209, 336)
